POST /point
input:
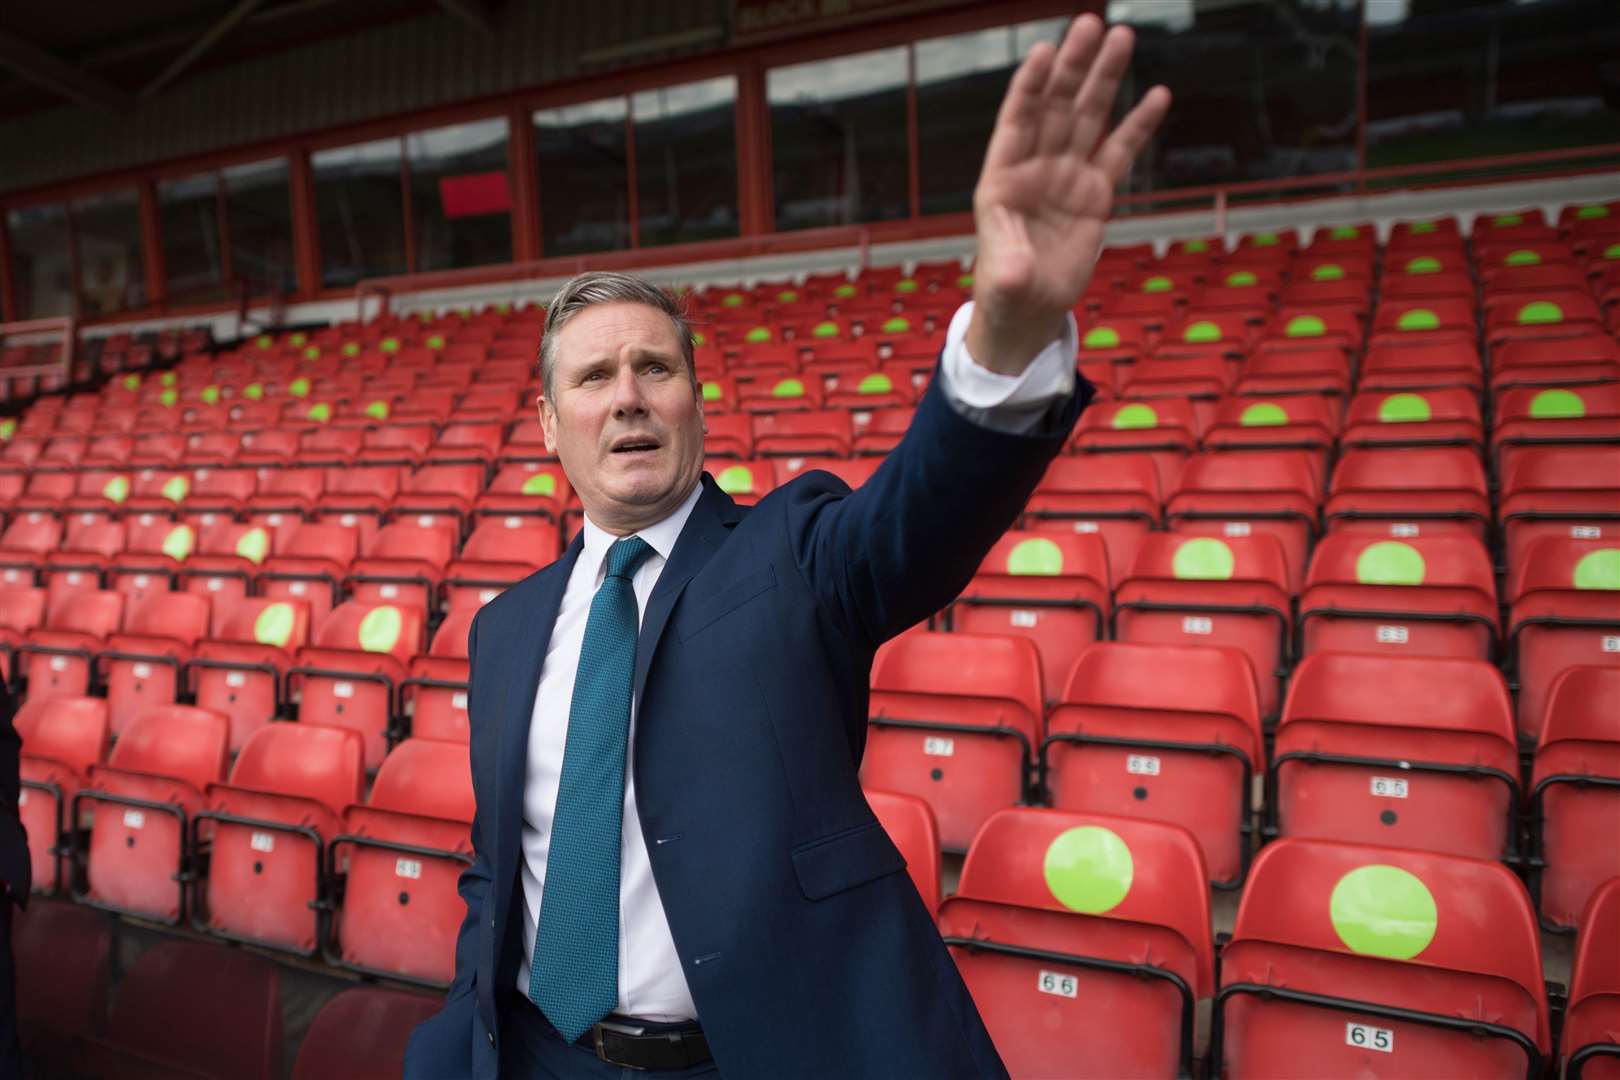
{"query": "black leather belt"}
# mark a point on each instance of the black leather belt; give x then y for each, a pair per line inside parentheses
(635, 1044)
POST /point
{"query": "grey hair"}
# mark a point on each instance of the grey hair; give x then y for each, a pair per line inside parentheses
(608, 287)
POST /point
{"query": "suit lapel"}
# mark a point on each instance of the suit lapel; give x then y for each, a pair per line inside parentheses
(705, 531)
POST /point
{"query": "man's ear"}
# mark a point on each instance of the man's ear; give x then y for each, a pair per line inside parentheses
(548, 423)
(697, 390)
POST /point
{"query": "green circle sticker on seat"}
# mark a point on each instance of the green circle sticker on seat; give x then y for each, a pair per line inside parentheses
(1265, 239)
(1598, 569)
(132, 382)
(1305, 326)
(210, 395)
(377, 410)
(1506, 220)
(824, 329)
(1345, 232)
(1203, 558)
(1418, 319)
(875, 383)
(1557, 405)
(1135, 417)
(1195, 247)
(1390, 562)
(1157, 284)
(1587, 213)
(274, 625)
(788, 388)
(736, 480)
(253, 391)
(312, 353)
(787, 296)
(1264, 414)
(1612, 251)
(1089, 869)
(1540, 313)
(732, 300)
(176, 488)
(965, 281)
(351, 348)
(1383, 911)
(1522, 257)
(905, 285)
(1423, 264)
(179, 543)
(391, 344)
(380, 629)
(8, 428)
(711, 391)
(263, 341)
(1404, 409)
(844, 292)
(434, 341)
(1327, 272)
(297, 339)
(698, 338)
(299, 387)
(757, 335)
(320, 412)
(253, 545)
(1201, 333)
(169, 398)
(1100, 337)
(116, 489)
(168, 378)
(1422, 228)
(897, 325)
(540, 484)
(1035, 557)
(1241, 278)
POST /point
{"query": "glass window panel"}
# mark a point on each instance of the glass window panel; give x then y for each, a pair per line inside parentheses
(360, 206)
(838, 128)
(584, 177)
(960, 82)
(686, 162)
(258, 209)
(112, 270)
(461, 201)
(41, 273)
(193, 259)
(1451, 79)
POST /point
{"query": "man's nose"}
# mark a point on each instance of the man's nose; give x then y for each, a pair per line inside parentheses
(627, 397)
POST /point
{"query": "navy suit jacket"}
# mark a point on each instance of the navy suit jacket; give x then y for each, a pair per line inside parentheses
(806, 947)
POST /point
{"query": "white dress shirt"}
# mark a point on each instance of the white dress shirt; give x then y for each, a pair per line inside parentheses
(652, 985)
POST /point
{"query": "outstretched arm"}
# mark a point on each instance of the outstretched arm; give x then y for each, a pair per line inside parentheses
(1047, 189)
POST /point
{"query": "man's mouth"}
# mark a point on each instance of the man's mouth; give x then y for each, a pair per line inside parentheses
(635, 446)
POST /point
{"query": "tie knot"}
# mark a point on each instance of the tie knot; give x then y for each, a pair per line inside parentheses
(625, 555)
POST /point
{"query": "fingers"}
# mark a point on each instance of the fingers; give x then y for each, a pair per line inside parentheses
(1073, 60)
(1018, 121)
(1120, 148)
(1094, 102)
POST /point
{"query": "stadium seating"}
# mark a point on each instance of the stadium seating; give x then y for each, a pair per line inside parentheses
(1575, 791)
(351, 675)
(1590, 1043)
(63, 957)
(910, 824)
(1565, 598)
(239, 673)
(61, 739)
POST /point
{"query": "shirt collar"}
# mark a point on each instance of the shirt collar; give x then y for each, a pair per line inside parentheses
(661, 535)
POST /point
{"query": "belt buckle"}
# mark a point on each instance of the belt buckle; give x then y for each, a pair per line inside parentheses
(597, 1031)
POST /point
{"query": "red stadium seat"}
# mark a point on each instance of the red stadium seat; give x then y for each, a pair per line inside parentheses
(1085, 942)
(350, 676)
(311, 567)
(1369, 961)
(143, 801)
(729, 435)
(1565, 597)
(28, 539)
(1165, 431)
(238, 672)
(955, 719)
(1592, 357)
(226, 560)
(63, 955)
(1234, 493)
(1590, 1044)
(910, 824)
(1306, 422)
(1203, 590)
(1575, 792)
(22, 608)
(141, 665)
(1559, 492)
(434, 697)
(1116, 498)
(825, 433)
(745, 481)
(1409, 492)
(526, 489)
(1423, 363)
(61, 738)
(266, 832)
(57, 658)
(882, 431)
(1422, 418)
(403, 564)
(1410, 752)
(1164, 733)
(360, 1034)
(1051, 588)
(1427, 596)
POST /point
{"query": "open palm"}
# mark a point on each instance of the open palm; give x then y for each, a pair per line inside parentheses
(1047, 187)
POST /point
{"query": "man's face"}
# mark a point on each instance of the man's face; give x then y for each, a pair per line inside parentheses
(625, 416)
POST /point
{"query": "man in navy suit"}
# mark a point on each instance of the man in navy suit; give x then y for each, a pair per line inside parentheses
(676, 869)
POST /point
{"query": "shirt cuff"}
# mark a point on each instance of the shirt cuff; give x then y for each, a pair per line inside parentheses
(1014, 404)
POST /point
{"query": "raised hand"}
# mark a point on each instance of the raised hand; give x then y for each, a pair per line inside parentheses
(1047, 189)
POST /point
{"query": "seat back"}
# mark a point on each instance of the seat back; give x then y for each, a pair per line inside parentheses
(406, 540)
(268, 621)
(69, 730)
(178, 741)
(980, 666)
(426, 777)
(392, 629)
(181, 616)
(1593, 1016)
(910, 823)
(1448, 562)
(1379, 695)
(530, 542)
(1581, 705)
(86, 611)
(339, 543)
(450, 639)
(313, 761)
(361, 1034)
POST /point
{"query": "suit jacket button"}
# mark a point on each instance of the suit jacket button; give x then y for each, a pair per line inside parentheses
(491, 1036)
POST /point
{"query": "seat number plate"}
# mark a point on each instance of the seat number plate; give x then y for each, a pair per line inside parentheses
(343, 690)
(1024, 619)
(1389, 787)
(1142, 764)
(934, 746)
(1364, 1037)
(1611, 643)
(134, 819)
(408, 868)
(1392, 635)
(1059, 985)
(1236, 528)
(458, 700)
(262, 841)
(1403, 530)
(1586, 532)
(1087, 527)
(1197, 624)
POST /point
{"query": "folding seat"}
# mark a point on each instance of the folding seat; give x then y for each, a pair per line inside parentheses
(47, 493)
(403, 563)
(824, 433)
(1414, 418)
(1085, 942)
(359, 497)
(433, 699)
(1164, 733)
(142, 801)
(1575, 792)
(1565, 610)
(311, 566)
(227, 557)
(64, 957)
(788, 393)
(1420, 364)
(442, 493)
(1559, 491)
(955, 719)
(910, 824)
(1403, 493)
(218, 490)
(141, 665)
(25, 545)
(1533, 417)
(1418, 278)
(1116, 498)
(1154, 299)
(263, 444)
(1243, 493)
(764, 363)
(396, 443)
(468, 441)
(1324, 370)
(729, 435)
(56, 658)
(61, 738)
(290, 492)
(349, 677)
(238, 671)
(86, 549)
(265, 834)
(1307, 422)
(1051, 588)
(1499, 258)
(1551, 315)
(745, 481)
(1115, 341)
(1408, 752)
(1203, 332)
(22, 608)
(1351, 239)
(154, 551)
(329, 446)
(499, 553)
(398, 859)
(1564, 362)
(1424, 596)
(361, 1033)
(1330, 280)
(191, 1010)
(1166, 431)
(882, 431)
(1311, 327)
(1590, 1042)
(1204, 590)
(1205, 378)
(1513, 283)
(1368, 961)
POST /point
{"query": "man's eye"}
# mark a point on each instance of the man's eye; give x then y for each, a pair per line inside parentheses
(657, 369)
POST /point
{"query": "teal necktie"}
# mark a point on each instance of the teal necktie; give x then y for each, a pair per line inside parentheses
(574, 973)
